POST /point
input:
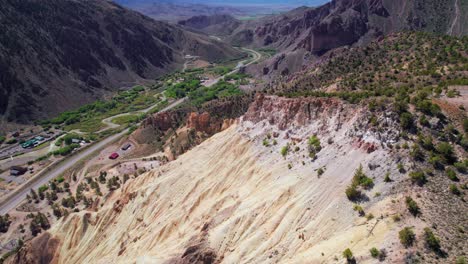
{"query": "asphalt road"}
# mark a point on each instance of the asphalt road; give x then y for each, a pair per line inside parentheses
(256, 56)
(13, 200)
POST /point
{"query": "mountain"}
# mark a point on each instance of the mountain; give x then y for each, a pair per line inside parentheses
(362, 153)
(306, 33)
(345, 22)
(59, 54)
(175, 11)
(219, 25)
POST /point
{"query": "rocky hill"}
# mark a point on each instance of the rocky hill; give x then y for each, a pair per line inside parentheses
(360, 159)
(345, 22)
(173, 11)
(218, 25)
(56, 55)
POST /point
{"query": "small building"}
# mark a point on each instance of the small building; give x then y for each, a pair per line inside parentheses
(17, 171)
(76, 141)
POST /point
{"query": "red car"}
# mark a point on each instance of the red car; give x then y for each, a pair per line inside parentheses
(114, 155)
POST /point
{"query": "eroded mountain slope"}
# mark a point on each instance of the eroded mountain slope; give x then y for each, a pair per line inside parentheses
(236, 199)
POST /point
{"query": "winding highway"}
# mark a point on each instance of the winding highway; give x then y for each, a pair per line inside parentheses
(256, 57)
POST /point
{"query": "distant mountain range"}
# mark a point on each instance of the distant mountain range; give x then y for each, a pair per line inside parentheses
(174, 11)
(310, 32)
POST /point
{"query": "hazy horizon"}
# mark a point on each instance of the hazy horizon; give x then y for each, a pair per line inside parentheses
(292, 3)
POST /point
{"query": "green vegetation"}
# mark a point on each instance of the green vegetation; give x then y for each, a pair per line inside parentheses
(359, 179)
(68, 138)
(418, 177)
(269, 51)
(320, 171)
(403, 69)
(88, 118)
(374, 252)
(387, 177)
(454, 189)
(412, 206)
(359, 209)
(65, 150)
(2, 139)
(451, 174)
(314, 146)
(431, 240)
(12, 141)
(284, 150)
(182, 89)
(461, 166)
(348, 255)
(407, 237)
(127, 119)
(39, 222)
(4, 223)
(461, 260)
(222, 89)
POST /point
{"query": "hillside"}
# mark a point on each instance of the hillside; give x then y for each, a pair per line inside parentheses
(359, 158)
(345, 22)
(57, 55)
(217, 25)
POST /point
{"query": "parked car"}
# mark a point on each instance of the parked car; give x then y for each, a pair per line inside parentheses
(126, 146)
(114, 155)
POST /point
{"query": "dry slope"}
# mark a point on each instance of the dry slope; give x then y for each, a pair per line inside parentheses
(236, 199)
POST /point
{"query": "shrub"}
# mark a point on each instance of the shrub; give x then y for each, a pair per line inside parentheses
(432, 241)
(284, 150)
(320, 171)
(374, 252)
(360, 178)
(451, 174)
(314, 144)
(461, 260)
(12, 141)
(416, 153)
(436, 161)
(359, 209)
(4, 223)
(266, 143)
(401, 168)
(461, 166)
(406, 120)
(446, 150)
(407, 236)
(348, 254)
(413, 207)
(387, 177)
(353, 193)
(454, 189)
(418, 177)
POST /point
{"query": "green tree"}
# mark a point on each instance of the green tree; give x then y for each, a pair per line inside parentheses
(348, 255)
(432, 241)
(374, 252)
(407, 237)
